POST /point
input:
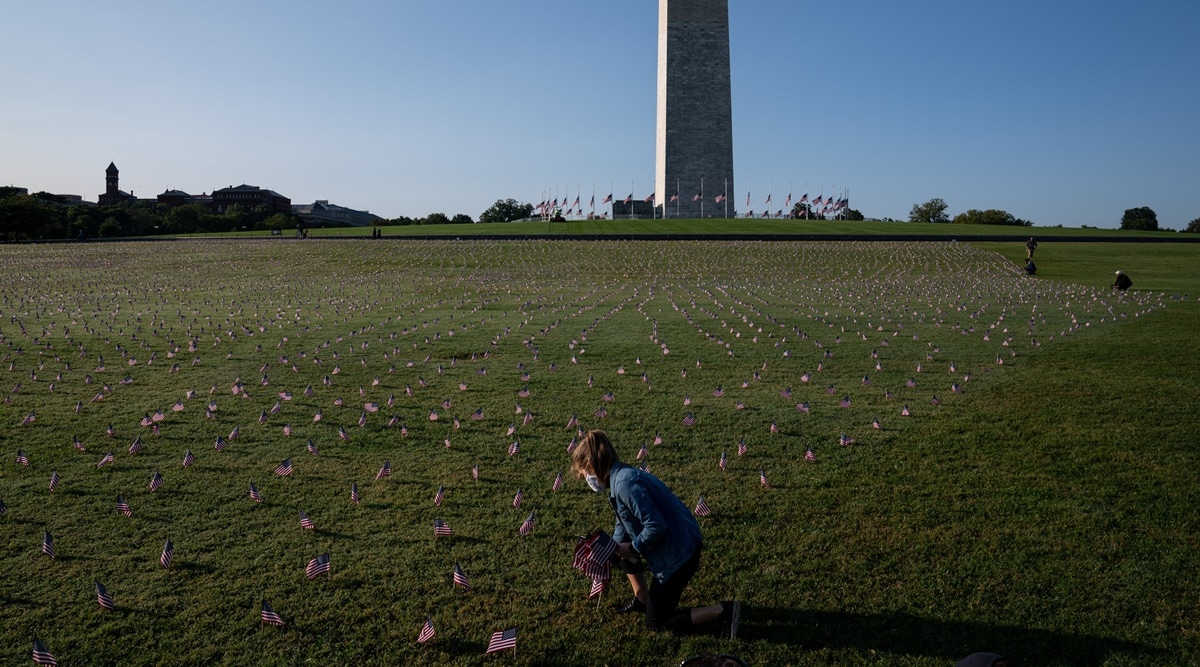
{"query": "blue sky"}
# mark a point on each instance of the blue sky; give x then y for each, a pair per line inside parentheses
(1061, 112)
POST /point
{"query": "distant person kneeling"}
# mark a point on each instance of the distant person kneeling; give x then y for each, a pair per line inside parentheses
(1030, 267)
(653, 524)
(1122, 282)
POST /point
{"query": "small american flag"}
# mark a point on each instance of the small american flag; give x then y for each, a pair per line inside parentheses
(911, 383)
(518, 498)
(477, 415)
(724, 461)
(312, 448)
(475, 472)
(802, 407)
(460, 579)
(123, 507)
(79, 444)
(188, 459)
(103, 597)
(255, 495)
(809, 456)
(220, 444)
(702, 508)
(136, 446)
(433, 415)
(354, 497)
(168, 553)
(22, 459)
(108, 458)
(317, 567)
(642, 452)
(514, 448)
(786, 393)
(762, 478)
(718, 392)
(845, 440)
(342, 434)
(558, 482)
(905, 412)
(305, 522)
(502, 640)
(831, 390)
(601, 413)
(439, 496)
(773, 428)
(47, 544)
(742, 448)
(687, 400)
(512, 428)
(41, 655)
(269, 616)
(599, 585)
(54, 480)
(876, 425)
(233, 435)
(3, 507)
(935, 401)
(572, 422)
(146, 420)
(845, 402)
(426, 631)
(689, 419)
(287, 429)
(658, 439)
(441, 528)
(284, 469)
(317, 416)
(527, 525)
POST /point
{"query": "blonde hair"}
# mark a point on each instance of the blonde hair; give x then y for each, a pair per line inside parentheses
(594, 454)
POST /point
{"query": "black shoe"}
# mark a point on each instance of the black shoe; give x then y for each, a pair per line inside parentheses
(634, 605)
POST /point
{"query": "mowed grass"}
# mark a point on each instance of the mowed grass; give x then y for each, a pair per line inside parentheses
(1047, 511)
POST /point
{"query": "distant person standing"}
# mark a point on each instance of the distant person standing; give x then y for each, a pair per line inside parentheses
(1122, 282)
(1030, 246)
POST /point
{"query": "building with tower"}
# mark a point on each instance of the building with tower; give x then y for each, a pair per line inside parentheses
(694, 152)
(112, 191)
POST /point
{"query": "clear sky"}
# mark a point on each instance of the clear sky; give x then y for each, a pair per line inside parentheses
(1058, 111)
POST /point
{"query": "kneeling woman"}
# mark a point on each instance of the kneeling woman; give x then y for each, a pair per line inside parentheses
(654, 524)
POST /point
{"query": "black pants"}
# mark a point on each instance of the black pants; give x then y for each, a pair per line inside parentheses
(662, 603)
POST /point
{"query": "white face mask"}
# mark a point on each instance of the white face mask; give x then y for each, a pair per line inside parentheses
(594, 484)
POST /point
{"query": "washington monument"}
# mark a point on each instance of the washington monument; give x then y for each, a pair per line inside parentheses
(694, 154)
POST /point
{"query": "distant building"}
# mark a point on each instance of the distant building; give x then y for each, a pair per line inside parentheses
(174, 198)
(112, 192)
(634, 210)
(250, 196)
(322, 212)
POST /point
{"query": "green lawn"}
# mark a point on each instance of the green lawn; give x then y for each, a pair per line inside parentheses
(1047, 509)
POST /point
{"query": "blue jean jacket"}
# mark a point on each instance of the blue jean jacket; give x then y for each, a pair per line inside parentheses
(658, 524)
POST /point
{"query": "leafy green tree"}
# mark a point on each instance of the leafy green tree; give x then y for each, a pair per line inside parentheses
(277, 221)
(401, 221)
(506, 210)
(1143, 218)
(436, 219)
(851, 214)
(933, 210)
(801, 211)
(462, 219)
(23, 216)
(1193, 227)
(989, 217)
(111, 227)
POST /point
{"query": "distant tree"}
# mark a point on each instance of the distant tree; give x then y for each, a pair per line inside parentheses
(1143, 218)
(462, 219)
(278, 221)
(436, 219)
(401, 221)
(1193, 227)
(801, 211)
(989, 217)
(24, 216)
(506, 210)
(851, 214)
(111, 227)
(933, 210)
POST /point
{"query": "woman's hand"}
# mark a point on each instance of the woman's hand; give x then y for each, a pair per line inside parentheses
(625, 551)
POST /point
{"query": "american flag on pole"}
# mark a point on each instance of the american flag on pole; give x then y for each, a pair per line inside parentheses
(168, 553)
(845, 440)
(599, 585)
(809, 456)
(123, 507)
(905, 412)
(460, 578)
(312, 447)
(284, 469)
(108, 458)
(305, 522)
(518, 498)
(762, 478)
(689, 420)
(254, 494)
(642, 452)
(527, 525)
(441, 528)
(287, 430)
(439, 496)
(188, 459)
(502, 640)
(269, 616)
(3, 507)
(514, 448)
(317, 567)
(41, 655)
(724, 461)
(22, 459)
(426, 631)
(558, 482)
(845, 402)
(354, 497)
(54, 480)
(702, 508)
(742, 448)
(343, 434)
(78, 444)
(802, 407)
(47, 544)
(658, 439)
(103, 597)
(136, 446)
(220, 444)
(475, 472)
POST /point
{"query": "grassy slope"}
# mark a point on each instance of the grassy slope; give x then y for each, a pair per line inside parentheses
(1051, 514)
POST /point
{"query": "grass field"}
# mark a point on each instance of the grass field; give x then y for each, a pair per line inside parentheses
(725, 227)
(1047, 509)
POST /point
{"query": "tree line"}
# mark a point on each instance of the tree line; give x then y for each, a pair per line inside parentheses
(1142, 218)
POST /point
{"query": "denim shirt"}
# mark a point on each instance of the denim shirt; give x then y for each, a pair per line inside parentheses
(659, 525)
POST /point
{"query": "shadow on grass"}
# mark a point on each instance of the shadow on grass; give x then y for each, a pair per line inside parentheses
(905, 634)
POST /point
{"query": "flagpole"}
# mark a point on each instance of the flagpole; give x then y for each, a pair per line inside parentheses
(702, 198)
(676, 197)
(593, 200)
(725, 197)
